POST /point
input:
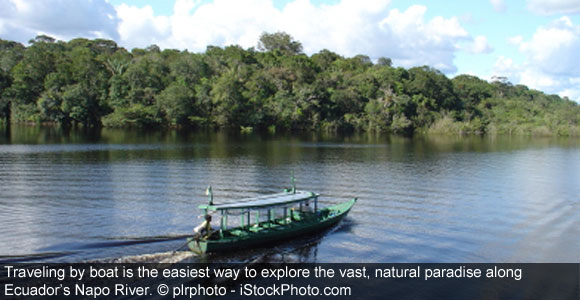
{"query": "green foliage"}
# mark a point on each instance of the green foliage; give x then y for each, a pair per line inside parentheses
(80, 104)
(401, 124)
(176, 102)
(432, 84)
(96, 82)
(50, 106)
(29, 73)
(384, 61)
(227, 100)
(10, 54)
(472, 89)
(137, 115)
(279, 41)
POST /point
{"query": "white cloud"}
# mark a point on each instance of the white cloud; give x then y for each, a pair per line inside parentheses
(7, 8)
(505, 67)
(22, 20)
(349, 27)
(498, 5)
(141, 26)
(572, 94)
(193, 26)
(554, 48)
(222, 23)
(551, 60)
(479, 45)
(550, 7)
(516, 40)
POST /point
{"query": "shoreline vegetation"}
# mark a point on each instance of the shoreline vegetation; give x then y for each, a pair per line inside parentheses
(274, 87)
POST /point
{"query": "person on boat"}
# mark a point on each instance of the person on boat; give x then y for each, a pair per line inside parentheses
(292, 216)
(306, 208)
(203, 229)
(296, 213)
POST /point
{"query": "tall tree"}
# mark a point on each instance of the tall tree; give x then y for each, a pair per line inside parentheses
(279, 41)
(29, 74)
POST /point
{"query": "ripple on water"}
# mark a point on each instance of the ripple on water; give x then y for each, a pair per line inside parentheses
(417, 202)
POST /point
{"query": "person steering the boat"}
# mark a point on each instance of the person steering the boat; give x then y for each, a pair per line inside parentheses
(203, 229)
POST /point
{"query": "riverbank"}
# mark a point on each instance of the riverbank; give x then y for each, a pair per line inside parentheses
(448, 126)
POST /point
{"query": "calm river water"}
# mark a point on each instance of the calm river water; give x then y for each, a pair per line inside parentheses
(133, 196)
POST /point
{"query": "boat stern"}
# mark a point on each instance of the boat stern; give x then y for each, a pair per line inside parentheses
(197, 246)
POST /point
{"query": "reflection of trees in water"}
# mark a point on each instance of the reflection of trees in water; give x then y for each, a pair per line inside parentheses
(7, 133)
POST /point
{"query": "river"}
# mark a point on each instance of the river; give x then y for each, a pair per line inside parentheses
(129, 195)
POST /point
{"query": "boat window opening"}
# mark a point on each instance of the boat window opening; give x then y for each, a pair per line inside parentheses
(257, 220)
(260, 212)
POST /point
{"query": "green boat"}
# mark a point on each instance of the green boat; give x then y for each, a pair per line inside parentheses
(263, 220)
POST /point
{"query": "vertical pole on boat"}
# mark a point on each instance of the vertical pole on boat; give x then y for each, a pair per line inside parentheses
(248, 218)
(222, 225)
(209, 193)
(226, 220)
(293, 180)
(315, 203)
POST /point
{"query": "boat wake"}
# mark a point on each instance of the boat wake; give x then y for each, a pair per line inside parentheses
(128, 241)
(32, 257)
(299, 250)
(75, 252)
(170, 257)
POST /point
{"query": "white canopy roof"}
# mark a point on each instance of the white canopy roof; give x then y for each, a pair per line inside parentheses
(264, 200)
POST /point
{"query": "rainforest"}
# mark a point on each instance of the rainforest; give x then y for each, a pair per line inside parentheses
(272, 87)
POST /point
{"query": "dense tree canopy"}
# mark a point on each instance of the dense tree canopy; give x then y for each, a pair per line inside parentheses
(96, 82)
(279, 41)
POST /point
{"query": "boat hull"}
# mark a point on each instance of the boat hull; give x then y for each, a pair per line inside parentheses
(324, 219)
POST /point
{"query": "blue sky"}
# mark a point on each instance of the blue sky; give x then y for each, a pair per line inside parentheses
(533, 42)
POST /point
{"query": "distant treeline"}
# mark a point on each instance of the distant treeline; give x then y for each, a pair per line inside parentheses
(274, 87)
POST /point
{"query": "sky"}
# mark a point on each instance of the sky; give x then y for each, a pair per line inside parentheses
(531, 42)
